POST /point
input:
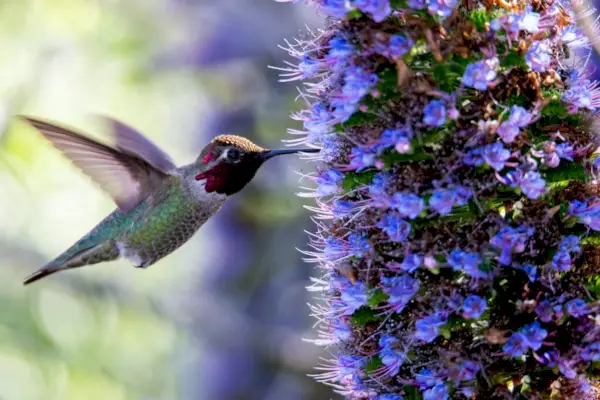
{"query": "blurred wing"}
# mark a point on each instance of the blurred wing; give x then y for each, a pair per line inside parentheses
(131, 142)
(126, 176)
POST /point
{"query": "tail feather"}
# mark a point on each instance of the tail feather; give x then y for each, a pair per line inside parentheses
(75, 257)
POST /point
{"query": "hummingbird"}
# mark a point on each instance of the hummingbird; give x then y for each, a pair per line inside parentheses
(159, 206)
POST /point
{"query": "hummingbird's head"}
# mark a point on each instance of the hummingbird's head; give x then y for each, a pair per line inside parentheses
(229, 162)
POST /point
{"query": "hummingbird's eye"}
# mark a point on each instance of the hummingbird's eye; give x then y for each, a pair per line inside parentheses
(233, 154)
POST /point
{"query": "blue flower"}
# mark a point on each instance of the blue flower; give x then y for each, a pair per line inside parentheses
(474, 307)
(531, 272)
(411, 262)
(408, 205)
(354, 297)
(434, 113)
(516, 345)
(362, 158)
(467, 262)
(395, 227)
(545, 311)
(577, 308)
(539, 56)
(480, 74)
(359, 244)
(438, 392)
(378, 9)
(535, 335)
(389, 397)
(339, 49)
(399, 45)
(428, 328)
(389, 354)
(426, 378)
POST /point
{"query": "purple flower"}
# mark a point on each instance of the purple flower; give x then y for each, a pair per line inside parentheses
(438, 392)
(401, 290)
(474, 307)
(533, 185)
(354, 297)
(591, 352)
(443, 8)
(411, 262)
(495, 155)
(396, 228)
(428, 328)
(508, 132)
(588, 215)
(545, 311)
(378, 185)
(357, 84)
(567, 368)
(511, 240)
(328, 181)
(577, 308)
(509, 129)
(398, 138)
(378, 9)
(408, 205)
(442, 201)
(467, 370)
(480, 74)
(362, 158)
(417, 4)
(562, 260)
(539, 56)
(435, 113)
(350, 365)
(516, 345)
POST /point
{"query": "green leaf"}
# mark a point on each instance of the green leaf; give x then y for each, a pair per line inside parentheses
(373, 365)
(396, 4)
(566, 171)
(364, 316)
(358, 118)
(479, 18)
(352, 180)
(377, 298)
(412, 393)
(513, 59)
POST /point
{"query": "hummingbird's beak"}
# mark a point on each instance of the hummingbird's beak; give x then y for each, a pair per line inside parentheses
(277, 152)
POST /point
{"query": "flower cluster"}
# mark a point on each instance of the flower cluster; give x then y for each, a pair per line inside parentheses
(457, 220)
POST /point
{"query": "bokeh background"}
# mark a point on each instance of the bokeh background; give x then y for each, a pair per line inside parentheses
(222, 318)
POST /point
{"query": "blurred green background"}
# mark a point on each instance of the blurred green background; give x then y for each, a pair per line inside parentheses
(224, 316)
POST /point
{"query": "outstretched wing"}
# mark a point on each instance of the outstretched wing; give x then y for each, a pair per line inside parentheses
(129, 172)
